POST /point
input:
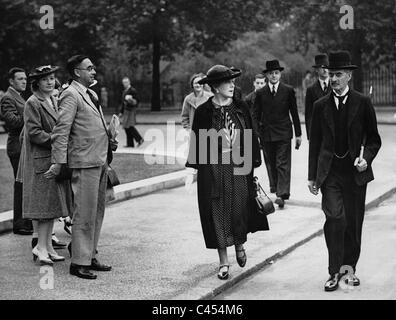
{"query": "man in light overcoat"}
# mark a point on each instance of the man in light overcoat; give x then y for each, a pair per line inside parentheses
(81, 140)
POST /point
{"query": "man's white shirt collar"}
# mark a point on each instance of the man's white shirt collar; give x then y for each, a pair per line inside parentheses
(340, 95)
(276, 86)
(322, 82)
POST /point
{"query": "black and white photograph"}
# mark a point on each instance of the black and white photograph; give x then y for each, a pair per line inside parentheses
(211, 152)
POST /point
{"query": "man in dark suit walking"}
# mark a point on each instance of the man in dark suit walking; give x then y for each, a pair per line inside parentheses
(12, 108)
(344, 142)
(271, 116)
(319, 89)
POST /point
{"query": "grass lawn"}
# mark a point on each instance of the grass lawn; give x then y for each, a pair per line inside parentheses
(129, 167)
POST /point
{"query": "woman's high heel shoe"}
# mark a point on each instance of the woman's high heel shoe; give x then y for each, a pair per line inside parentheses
(56, 257)
(223, 275)
(44, 260)
(241, 259)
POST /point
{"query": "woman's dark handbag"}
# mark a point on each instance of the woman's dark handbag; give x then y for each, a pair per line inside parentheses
(64, 174)
(263, 202)
(112, 178)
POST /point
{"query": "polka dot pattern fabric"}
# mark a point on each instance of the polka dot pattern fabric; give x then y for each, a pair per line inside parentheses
(230, 203)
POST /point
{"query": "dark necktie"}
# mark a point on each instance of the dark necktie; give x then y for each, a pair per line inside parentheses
(273, 90)
(93, 99)
(341, 101)
(324, 87)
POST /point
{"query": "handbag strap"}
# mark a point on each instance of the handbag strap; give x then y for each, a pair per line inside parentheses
(255, 180)
(262, 189)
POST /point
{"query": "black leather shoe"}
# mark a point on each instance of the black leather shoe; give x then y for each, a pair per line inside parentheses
(332, 283)
(23, 232)
(97, 266)
(351, 279)
(82, 272)
(280, 202)
(241, 259)
(223, 275)
(355, 281)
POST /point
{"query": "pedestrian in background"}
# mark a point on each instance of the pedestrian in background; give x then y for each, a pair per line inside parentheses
(258, 83)
(225, 199)
(343, 144)
(12, 108)
(191, 102)
(129, 105)
(307, 81)
(43, 200)
(271, 116)
(318, 89)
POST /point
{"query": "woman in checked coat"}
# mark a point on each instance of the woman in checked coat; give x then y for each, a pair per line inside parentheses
(43, 200)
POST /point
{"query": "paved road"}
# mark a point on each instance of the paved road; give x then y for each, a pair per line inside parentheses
(301, 274)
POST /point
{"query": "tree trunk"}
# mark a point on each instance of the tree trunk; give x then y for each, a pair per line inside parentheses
(356, 55)
(156, 85)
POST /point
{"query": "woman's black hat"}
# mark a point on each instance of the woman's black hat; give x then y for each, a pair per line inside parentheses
(219, 73)
(42, 71)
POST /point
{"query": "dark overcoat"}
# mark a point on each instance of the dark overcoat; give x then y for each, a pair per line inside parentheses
(362, 128)
(271, 114)
(127, 109)
(42, 198)
(314, 92)
(207, 187)
(12, 105)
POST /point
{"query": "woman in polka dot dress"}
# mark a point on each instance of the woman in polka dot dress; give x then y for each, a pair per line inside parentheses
(222, 129)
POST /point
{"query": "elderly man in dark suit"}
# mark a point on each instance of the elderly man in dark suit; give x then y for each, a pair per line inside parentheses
(271, 116)
(12, 107)
(317, 90)
(80, 139)
(344, 142)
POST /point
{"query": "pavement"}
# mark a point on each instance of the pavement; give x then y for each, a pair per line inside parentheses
(376, 268)
(154, 240)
